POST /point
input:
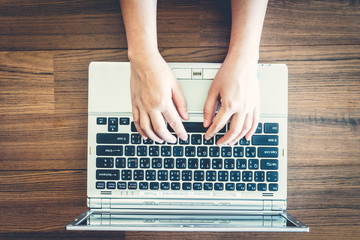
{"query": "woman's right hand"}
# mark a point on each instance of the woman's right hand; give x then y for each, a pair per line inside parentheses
(155, 95)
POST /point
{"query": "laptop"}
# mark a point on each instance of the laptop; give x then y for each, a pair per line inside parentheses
(140, 185)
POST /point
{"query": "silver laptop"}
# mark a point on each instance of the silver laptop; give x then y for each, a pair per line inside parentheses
(140, 185)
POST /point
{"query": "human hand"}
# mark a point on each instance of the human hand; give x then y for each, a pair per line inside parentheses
(237, 87)
(155, 94)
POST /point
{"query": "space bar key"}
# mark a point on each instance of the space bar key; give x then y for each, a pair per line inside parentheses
(192, 127)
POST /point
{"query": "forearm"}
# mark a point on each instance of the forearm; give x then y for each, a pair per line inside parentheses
(247, 22)
(139, 18)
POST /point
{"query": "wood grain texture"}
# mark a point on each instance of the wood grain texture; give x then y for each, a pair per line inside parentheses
(93, 24)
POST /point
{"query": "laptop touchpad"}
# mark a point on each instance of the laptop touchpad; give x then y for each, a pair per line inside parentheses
(195, 92)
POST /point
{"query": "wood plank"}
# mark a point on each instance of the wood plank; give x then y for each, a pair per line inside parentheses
(91, 24)
(325, 198)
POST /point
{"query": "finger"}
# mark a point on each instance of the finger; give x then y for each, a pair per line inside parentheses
(256, 117)
(236, 125)
(220, 120)
(173, 119)
(145, 125)
(160, 128)
(210, 106)
(245, 128)
(180, 101)
(136, 120)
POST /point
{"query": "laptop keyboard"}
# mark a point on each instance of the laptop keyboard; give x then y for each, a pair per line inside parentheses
(125, 161)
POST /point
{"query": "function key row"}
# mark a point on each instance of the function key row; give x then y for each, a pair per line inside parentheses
(191, 127)
(188, 186)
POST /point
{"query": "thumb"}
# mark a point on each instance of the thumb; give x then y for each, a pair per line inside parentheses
(210, 106)
(180, 101)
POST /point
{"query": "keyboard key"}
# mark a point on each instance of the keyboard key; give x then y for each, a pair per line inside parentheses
(196, 139)
(218, 136)
(208, 142)
(107, 174)
(113, 128)
(187, 142)
(268, 152)
(165, 186)
(265, 140)
(199, 175)
(238, 152)
(113, 124)
(129, 150)
(243, 141)
(156, 163)
(194, 127)
(272, 176)
(121, 185)
(104, 162)
(217, 163)
(190, 151)
(202, 151)
(226, 151)
(235, 176)
(120, 162)
(273, 187)
(229, 163)
(111, 185)
(141, 150)
(126, 174)
(176, 140)
(250, 152)
(148, 141)
(259, 176)
(100, 185)
(132, 162)
(251, 186)
(208, 186)
(269, 164)
(133, 128)
(253, 163)
(132, 185)
(162, 175)
(247, 176)
(143, 185)
(223, 176)
(205, 163)
(174, 175)
(186, 186)
(262, 187)
(144, 162)
(178, 151)
(193, 163)
(240, 187)
(124, 121)
(135, 138)
(175, 186)
(154, 186)
(219, 186)
(168, 163)
(101, 121)
(259, 128)
(165, 151)
(197, 186)
(181, 163)
(214, 151)
(271, 128)
(186, 175)
(150, 175)
(230, 187)
(109, 150)
(112, 138)
(241, 164)
(154, 151)
(210, 175)
(138, 174)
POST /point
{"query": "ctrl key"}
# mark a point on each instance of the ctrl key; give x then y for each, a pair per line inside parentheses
(107, 174)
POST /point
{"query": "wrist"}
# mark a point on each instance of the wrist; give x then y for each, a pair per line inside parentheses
(142, 53)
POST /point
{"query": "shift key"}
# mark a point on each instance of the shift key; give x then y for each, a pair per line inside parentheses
(114, 138)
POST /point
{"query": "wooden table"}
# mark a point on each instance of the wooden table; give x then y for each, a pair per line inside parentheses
(45, 50)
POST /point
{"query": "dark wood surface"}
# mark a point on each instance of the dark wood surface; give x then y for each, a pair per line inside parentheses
(45, 50)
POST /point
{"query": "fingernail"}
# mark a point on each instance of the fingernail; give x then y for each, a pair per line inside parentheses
(205, 122)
